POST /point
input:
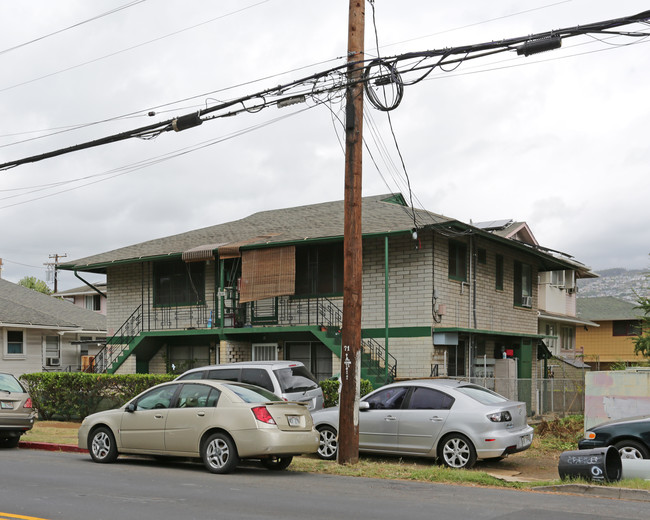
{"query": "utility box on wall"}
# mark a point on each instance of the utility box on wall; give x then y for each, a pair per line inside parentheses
(505, 378)
(616, 394)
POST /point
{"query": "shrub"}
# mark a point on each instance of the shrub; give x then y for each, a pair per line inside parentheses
(74, 395)
(330, 389)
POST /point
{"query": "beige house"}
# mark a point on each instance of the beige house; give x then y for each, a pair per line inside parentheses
(42, 333)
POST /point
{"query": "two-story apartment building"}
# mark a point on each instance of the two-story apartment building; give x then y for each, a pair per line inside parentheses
(440, 297)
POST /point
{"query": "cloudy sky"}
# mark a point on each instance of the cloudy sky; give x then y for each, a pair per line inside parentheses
(558, 140)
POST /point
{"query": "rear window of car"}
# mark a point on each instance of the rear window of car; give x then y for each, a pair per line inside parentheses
(295, 379)
(252, 394)
(482, 395)
(9, 383)
(257, 376)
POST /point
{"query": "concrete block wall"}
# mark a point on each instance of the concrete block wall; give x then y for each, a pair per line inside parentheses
(234, 351)
(495, 309)
(409, 283)
(124, 284)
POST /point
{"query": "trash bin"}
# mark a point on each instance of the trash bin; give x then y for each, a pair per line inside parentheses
(600, 464)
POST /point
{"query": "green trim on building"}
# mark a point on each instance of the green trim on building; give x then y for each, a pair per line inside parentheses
(397, 332)
(491, 332)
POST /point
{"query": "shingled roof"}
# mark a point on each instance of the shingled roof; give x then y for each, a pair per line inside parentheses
(381, 214)
(20, 306)
(606, 308)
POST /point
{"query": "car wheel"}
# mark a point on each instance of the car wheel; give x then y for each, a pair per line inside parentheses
(219, 453)
(457, 451)
(277, 463)
(102, 445)
(9, 442)
(328, 445)
(632, 450)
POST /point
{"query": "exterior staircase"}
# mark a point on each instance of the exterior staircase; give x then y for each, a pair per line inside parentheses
(133, 332)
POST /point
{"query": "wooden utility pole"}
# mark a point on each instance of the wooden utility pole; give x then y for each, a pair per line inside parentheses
(54, 265)
(348, 442)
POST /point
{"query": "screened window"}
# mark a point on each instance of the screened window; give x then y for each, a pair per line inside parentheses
(179, 283)
(498, 275)
(457, 261)
(15, 343)
(568, 338)
(626, 328)
(523, 285)
(92, 302)
(319, 269)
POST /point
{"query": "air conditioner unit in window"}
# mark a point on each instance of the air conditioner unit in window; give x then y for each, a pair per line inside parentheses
(52, 361)
(526, 301)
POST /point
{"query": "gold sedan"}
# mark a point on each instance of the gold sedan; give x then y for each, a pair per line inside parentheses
(220, 422)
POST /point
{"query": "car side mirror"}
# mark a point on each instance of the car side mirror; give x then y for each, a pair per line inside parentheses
(364, 405)
(130, 407)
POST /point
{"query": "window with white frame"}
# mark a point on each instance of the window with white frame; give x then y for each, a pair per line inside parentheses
(568, 338)
(14, 343)
(52, 351)
(557, 278)
(265, 352)
(93, 302)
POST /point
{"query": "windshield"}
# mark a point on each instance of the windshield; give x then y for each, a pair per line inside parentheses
(9, 383)
(482, 395)
(252, 394)
(295, 379)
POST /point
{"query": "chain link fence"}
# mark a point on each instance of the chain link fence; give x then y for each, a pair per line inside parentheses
(542, 396)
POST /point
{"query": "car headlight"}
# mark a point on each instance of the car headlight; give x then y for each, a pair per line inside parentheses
(590, 435)
(500, 417)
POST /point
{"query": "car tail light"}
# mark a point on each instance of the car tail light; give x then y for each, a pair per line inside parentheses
(500, 417)
(262, 414)
(28, 403)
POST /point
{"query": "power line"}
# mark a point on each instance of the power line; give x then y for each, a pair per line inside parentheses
(94, 60)
(335, 79)
(78, 24)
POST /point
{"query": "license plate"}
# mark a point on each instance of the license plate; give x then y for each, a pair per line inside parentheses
(294, 420)
(6, 405)
(525, 440)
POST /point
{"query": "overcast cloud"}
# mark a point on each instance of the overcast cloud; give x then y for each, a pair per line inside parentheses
(558, 140)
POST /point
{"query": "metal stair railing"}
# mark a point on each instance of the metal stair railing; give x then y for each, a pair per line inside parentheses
(377, 360)
(118, 343)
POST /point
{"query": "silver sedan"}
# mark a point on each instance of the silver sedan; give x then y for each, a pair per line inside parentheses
(219, 421)
(453, 421)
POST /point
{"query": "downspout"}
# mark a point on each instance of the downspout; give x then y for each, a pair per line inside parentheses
(222, 293)
(89, 285)
(386, 306)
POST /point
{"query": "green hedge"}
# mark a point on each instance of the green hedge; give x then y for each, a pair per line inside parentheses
(331, 391)
(74, 395)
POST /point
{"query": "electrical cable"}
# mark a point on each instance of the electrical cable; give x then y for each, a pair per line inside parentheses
(522, 45)
(78, 24)
(146, 163)
(142, 44)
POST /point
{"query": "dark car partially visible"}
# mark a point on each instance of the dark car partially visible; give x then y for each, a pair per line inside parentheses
(16, 411)
(630, 436)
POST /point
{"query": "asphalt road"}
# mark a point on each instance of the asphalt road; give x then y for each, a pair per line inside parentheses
(68, 486)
